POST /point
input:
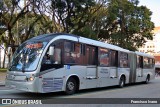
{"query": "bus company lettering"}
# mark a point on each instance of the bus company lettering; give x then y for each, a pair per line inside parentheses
(26, 101)
(34, 102)
(104, 71)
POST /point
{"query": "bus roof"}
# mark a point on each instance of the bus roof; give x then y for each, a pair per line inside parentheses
(144, 54)
(49, 37)
(44, 37)
(101, 44)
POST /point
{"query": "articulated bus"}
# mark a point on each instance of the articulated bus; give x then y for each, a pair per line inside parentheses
(66, 62)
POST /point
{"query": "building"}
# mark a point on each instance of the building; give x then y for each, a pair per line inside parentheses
(153, 46)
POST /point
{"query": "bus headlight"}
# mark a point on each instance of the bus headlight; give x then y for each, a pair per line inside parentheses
(31, 79)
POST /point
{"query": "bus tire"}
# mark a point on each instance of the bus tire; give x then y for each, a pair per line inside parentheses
(71, 86)
(147, 79)
(122, 82)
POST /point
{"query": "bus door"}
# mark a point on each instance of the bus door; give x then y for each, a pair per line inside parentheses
(91, 70)
(104, 66)
(139, 70)
(113, 64)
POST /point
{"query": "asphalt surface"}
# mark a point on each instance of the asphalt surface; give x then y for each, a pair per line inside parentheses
(140, 90)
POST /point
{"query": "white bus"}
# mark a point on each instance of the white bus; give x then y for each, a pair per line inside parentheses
(65, 62)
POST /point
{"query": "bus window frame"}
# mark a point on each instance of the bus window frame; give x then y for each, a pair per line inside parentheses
(95, 54)
(116, 59)
(51, 66)
(150, 65)
(73, 51)
(108, 57)
(119, 59)
(140, 65)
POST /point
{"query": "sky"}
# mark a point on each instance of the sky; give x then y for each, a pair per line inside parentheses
(154, 6)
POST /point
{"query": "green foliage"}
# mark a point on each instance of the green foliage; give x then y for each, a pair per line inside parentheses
(3, 70)
(68, 11)
(90, 22)
(130, 24)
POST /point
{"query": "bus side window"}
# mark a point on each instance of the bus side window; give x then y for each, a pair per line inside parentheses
(103, 57)
(146, 62)
(114, 58)
(139, 62)
(91, 55)
(69, 52)
(55, 60)
(82, 49)
(124, 63)
(57, 56)
(74, 53)
(151, 63)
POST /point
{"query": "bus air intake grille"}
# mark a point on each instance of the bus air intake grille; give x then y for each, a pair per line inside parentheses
(47, 84)
(58, 83)
(50, 84)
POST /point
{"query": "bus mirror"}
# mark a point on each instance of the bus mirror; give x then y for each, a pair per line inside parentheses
(51, 50)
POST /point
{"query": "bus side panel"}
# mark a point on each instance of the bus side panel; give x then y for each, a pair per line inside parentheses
(52, 80)
(76, 70)
(125, 72)
(140, 76)
(151, 72)
(107, 76)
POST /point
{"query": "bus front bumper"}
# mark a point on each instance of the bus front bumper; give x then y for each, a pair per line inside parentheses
(20, 85)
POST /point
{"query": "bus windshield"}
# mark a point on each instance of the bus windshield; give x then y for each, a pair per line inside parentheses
(27, 56)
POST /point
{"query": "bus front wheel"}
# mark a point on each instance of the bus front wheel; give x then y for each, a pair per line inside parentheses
(71, 86)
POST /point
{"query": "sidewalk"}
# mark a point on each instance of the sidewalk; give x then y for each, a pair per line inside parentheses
(2, 78)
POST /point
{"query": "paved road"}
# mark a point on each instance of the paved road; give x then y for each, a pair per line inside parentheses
(151, 90)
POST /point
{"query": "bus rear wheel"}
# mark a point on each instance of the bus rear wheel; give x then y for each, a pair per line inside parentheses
(147, 79)
(122, 82)
(71, 86)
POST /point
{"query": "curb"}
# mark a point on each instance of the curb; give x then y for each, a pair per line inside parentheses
(2, 83)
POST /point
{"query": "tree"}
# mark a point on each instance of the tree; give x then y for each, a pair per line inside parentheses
(9, 19)
(12, 12)
(128, 25)
(93, 20)
(67, 15)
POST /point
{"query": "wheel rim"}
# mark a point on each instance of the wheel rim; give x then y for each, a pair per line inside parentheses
(147, 80)
(70, 86)
(122, 82)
